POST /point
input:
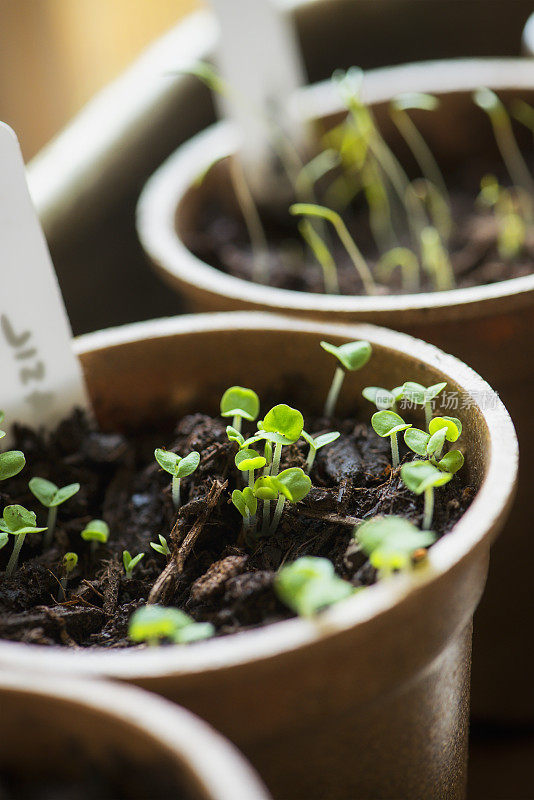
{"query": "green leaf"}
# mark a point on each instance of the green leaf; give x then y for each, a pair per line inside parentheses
(162, 547)
(266, 488)
(381, 398)
(69, 562)
(293, 483)
(187, 465)
(416, 440)
(155, 622)
(267, 436)
(193, 632)
(451, 462)
(247, 460)
(235, 436)
(284, 420)
(17, 520)
(3, 539)
(421, 475)
(390, 541)
(310, 584)
(386, 423)
(96, 531)
(167, 460)
(321, 441)
(240, 402)
(352, 355)
(452, 426)
(418, 394)
(49, 494)
(11, 463)
(239, 502)
(436, 441)
(129, 562)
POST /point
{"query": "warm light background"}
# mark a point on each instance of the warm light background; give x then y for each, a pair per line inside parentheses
(55, 54)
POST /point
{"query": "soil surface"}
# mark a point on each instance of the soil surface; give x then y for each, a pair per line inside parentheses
(210, 575)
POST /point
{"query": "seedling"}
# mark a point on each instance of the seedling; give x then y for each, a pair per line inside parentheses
(312, 210)
(69, 563)
(310, 584)
(383, 399)
(266, 489)
(162, 547)
(177, 466)
(11, 463)
(154, 623)
(235, 436)
(247, 505)
(391, 541)
(248, 460)
(351, 357)
(421, 477)
(511, 210)
(442, 429)
(130, 563)
(430, 445)
(408, 263)
(422, 396)
(17, 521)
(51, 496)
(240, 403)
(96, 532)
(285, 424)
(293, 485)
(388, 423)
(435, 259)
(323, 255)
(316, 444)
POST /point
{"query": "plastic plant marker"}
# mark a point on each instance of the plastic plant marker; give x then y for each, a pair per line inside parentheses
(41, 377)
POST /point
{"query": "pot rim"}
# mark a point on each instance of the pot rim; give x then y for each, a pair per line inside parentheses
(225, 775)
(165, 190)
(476, 526)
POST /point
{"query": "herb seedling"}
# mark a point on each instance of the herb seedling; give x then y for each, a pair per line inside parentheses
(130, 563)
(322, 254)
(391, 541)
(408, 263)
(422, 396)
(96, 532)
(17, 521)
(435, 259)
(240, 403)
(154, 623)
(388, 423)
(310, 584)
(11, 463)
(511, 210)
(235, 436)
(316, 444)
(69, 563)
(293, 485)
(247, 505)
(421, 477)
(177, 466)
(162, 547)
(383, 399)
(351, 357)
(51, 496)
(248, 460)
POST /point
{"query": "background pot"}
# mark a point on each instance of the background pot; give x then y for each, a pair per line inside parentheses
(61, 730)
(385, 675)
(489, 327)
(86, 182)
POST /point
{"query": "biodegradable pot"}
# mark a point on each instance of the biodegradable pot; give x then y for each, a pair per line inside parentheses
(371, 700)
(57, 731)
(489, 327)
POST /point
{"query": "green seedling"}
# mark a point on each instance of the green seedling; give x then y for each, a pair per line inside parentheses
(286, 425)
(408, 263)
(323, 255)
(435, 260)
(383, 399)
(511, 210)
(442, 429)
(4, 538)
(177, 466)
(51, 496)
(162, 547)
(17, 521)
(130, 563)
(310, 584)
(248, 460)
(69, 563)
(312, 210)
(515, 164)
(429, 445)
(155, 623)
(235, 436)
(247, 504)
(421, 477)
(266, 489)
(293, 485)
(316, 444)
(11, 463)
(96, 532)
(388, 423)
(391, 541)
(451, 462)
(240, 403)
(420, 395)
(351, 357)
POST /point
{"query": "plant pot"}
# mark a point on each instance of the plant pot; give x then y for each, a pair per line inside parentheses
(489, 327)
(384, 674)
(111, 739)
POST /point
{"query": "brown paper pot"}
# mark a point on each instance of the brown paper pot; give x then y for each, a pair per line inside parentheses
(489, 327)
(372, 701)
(112, 739)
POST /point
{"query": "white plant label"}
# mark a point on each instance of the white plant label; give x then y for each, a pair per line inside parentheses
(259, 59)
(41, 379)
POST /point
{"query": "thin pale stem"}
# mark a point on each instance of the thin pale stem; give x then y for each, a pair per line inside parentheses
(266, 517)
(251, 478)
(311, 458)
(256, 232)
(428, 413)
(333, 394)
(236, 423)
(276, 460)
(421, 151)
(511, 154)
(278, 513)
(429, 508)
(14, 560)
(176, 499)
(51, 526)
(394, 450)
(355, 256)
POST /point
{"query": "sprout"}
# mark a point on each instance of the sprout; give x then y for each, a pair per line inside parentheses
(391, 541)
(508, 210)
(310, 584)
(240, 403)
(422, 396)
(248, 460)
(316, 444)
(408, 263)
(286, 424)
(153, 623)
(435, 259)
(388, 423)
(293, 485)
(451, 462)
(322, 254)
(17, 521)
(11, 463)
(422, 477)
(235, 436)
(266, 489)
(51, 496)
(383, 399)
(130, 563)
(351, 356)
(247, 505)
(96, 532)
(69, 563)
(177, 466)
(442, 429)
(348, 242)
(162, 547)
(417, 441)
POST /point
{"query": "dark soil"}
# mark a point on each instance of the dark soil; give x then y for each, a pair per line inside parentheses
(209, 575)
